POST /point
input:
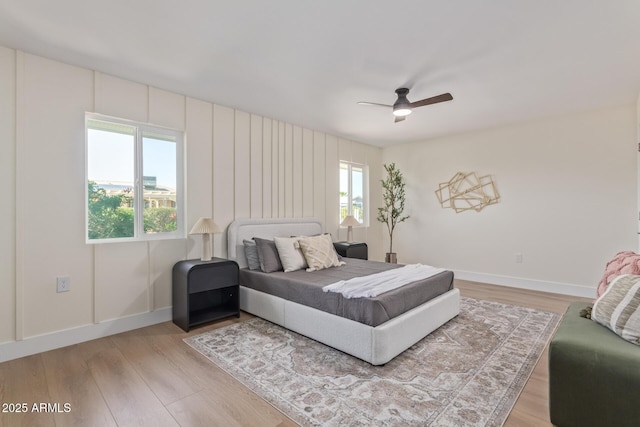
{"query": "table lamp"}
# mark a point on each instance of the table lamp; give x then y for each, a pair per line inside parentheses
(349, 222)
(206, 227)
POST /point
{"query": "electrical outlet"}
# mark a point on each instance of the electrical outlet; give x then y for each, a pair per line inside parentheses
(63, 284)
(518, 257)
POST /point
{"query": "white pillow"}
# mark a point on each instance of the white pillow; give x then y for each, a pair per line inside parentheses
(291, 257)
(319, 252)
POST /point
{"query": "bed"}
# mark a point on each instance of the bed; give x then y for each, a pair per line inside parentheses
(377, 340)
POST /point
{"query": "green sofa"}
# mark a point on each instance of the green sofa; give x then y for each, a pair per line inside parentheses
(594, 375)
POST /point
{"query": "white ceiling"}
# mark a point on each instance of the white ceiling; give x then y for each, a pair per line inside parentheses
(309, 62)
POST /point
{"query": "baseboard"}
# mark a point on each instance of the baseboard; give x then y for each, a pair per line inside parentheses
(38, 344)
(534, 285)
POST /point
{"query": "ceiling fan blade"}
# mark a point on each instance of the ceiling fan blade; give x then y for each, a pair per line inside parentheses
(374, 103)
(433, 100)
(399, 119)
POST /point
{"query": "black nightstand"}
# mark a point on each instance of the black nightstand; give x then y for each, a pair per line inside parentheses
(204, 291)
(352, 250)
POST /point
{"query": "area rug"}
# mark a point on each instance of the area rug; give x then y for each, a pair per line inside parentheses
(469, 372)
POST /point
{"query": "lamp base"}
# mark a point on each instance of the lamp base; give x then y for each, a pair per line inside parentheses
(206, 247)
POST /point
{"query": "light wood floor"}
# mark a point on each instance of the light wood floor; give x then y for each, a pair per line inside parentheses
(149, 377)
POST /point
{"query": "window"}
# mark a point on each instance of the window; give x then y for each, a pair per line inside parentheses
(134, 181)
(353, 200)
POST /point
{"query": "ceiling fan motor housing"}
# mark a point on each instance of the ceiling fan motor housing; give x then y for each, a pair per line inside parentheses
(402, 106)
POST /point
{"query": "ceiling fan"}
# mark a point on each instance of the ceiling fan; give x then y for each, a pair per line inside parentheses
(402, 107)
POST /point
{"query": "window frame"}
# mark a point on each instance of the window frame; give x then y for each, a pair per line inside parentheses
(365, 190)
(142, 130)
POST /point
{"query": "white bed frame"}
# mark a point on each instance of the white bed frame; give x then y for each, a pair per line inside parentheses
(376, 345)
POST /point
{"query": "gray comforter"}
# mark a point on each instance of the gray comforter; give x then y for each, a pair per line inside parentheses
(306, 288)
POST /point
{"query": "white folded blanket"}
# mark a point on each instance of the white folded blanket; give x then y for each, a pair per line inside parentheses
(379, 283)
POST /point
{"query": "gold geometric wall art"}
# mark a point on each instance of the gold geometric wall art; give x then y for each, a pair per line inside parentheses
(466, 191)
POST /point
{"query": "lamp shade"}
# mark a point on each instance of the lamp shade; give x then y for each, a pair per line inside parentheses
(350, 221)
(205, 226)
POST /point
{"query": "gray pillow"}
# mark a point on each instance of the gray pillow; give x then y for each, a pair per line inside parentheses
(251, 252)
(268, 255)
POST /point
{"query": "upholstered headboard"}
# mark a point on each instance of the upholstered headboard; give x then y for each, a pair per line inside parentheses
(266, 228)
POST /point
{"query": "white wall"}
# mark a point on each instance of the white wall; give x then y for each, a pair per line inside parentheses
(568, 188)
(239, 165)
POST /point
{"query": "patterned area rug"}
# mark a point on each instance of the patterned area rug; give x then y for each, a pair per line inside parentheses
(469, 372)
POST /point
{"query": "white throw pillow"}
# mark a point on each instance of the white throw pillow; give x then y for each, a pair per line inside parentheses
(291, 257)
(319, 252)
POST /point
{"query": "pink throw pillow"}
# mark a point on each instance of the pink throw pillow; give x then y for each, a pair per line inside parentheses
(627, 262)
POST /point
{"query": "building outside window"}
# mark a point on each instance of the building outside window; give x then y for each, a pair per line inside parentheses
(134, 181)
(353, 186)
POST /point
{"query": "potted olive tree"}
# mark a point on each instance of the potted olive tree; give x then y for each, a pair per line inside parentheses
(391, 213)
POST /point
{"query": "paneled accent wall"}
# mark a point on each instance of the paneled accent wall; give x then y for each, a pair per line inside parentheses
(8, 188)
(238, 165)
